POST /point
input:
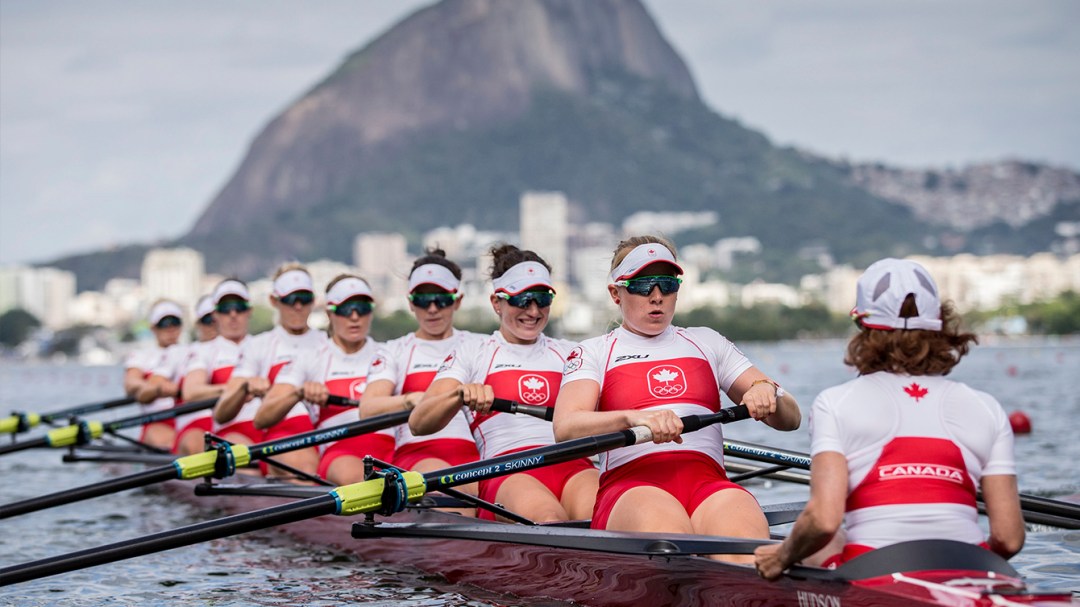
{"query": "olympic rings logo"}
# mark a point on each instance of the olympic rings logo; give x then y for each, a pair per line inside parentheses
(533, 397)
(668, 389)
(533, 389)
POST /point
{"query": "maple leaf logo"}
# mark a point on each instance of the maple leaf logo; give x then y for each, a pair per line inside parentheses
(378, 362)
(576, 352)
(666, 375)
(652, 252)
(915, 391)
(534, 383)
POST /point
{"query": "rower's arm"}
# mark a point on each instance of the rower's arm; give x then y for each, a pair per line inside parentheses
(819, 521)
(276, 404)
(1002, 499)
(133, 381)
(379, 398)
(197, 386)
(786, 415)
(441, 402)
(232, 399)
(576, 416)
(155, 387)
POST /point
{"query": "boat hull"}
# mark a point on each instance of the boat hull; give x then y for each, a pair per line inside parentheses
(613, 580)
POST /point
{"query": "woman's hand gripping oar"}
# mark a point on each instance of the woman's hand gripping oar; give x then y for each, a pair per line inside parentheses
(388, 493)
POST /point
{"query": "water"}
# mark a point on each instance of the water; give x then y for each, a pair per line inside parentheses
(265, 568)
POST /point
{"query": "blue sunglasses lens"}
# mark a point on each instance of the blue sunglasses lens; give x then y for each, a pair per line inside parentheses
(644, 285)
(299, 297)
(207, 320)
(345, 310)
(543, 299)
(441, 300)
(168, 321)
(227, 307)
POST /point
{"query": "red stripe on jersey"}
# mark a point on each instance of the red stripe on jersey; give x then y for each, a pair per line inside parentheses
(915, 470)
(274, 370)
(640, 385)
(221, 375)
(526, 387)
(346, 387)
(417, 382)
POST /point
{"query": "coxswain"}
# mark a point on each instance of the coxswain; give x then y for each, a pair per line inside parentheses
(899, 452)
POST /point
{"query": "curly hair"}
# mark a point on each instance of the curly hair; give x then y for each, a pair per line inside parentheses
(505, 256)
(437, 256)
(911, 352)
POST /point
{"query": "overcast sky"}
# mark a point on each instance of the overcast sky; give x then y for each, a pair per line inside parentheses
(119, 120)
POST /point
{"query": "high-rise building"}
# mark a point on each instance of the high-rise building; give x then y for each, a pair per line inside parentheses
(544, 229)
(383, 260)
(44, 292)
(175, 274)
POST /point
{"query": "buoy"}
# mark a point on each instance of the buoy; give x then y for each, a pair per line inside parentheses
(1020, 422)
(1011, 370)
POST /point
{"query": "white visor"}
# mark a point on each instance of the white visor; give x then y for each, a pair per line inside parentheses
(641, 257)
(348, 288)
(434, 274)
(165, 308)
(522, 277)
(291, 282)
(230, 287)
(204, 307)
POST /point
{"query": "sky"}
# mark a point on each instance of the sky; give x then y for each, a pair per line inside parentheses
(120, 121)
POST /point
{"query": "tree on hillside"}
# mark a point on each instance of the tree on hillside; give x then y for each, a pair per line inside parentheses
(16, 325)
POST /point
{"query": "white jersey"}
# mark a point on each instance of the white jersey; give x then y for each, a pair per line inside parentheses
(145, 360)
(410, 363)
(683, 370)
(343, 374)
(218, 357)
(916, 449)
(528, 374)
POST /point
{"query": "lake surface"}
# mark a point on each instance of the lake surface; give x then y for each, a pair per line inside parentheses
(1037, 376)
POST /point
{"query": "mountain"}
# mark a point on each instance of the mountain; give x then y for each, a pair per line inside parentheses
(454, 112)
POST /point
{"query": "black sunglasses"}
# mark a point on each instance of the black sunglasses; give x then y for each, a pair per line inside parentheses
(227, 307)
(298, 297)
(645, 284)
(168, 321)
(441, 300)
(542, 299)
(346, 309)
(207, 319)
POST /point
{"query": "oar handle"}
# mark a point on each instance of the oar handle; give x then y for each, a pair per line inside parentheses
(341, 401)
(503, 405)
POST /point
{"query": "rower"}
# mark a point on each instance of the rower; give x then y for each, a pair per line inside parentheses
(649, 373)
(404, 367)
(262, 358)
(898, 452)
(518, 362)
(166, 319)
(339, 368)
(209, 367)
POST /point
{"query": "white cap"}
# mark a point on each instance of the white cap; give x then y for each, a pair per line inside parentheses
(641, 257)
(522, 277)
(204, 306)
(347, 288)
(228, 287)
(291, 282)
(434, 274)
(165, 308)
(882, 289)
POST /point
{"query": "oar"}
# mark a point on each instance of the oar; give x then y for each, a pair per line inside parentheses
(84, 432)
(388, 493)
(21, 422)
(1039, 510)
(219, 462)
(509, 406)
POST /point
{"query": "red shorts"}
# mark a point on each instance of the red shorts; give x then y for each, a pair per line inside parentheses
(202, 424)
(453, 451)
(247, 428)
(290, 426)
(688, 476)
(553, 477)
(379, 446)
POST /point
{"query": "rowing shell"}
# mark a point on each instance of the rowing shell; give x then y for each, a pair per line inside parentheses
(605, 569)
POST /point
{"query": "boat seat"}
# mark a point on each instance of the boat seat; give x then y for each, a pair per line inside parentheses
(924, 555)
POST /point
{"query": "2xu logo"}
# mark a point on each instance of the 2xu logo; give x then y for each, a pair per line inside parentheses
(666, 381)
(533, 389)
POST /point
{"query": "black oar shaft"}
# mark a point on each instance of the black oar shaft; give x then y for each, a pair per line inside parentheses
(167, 540)
(33, 443)
(68, 496)
(161, 415)
(90, 408)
